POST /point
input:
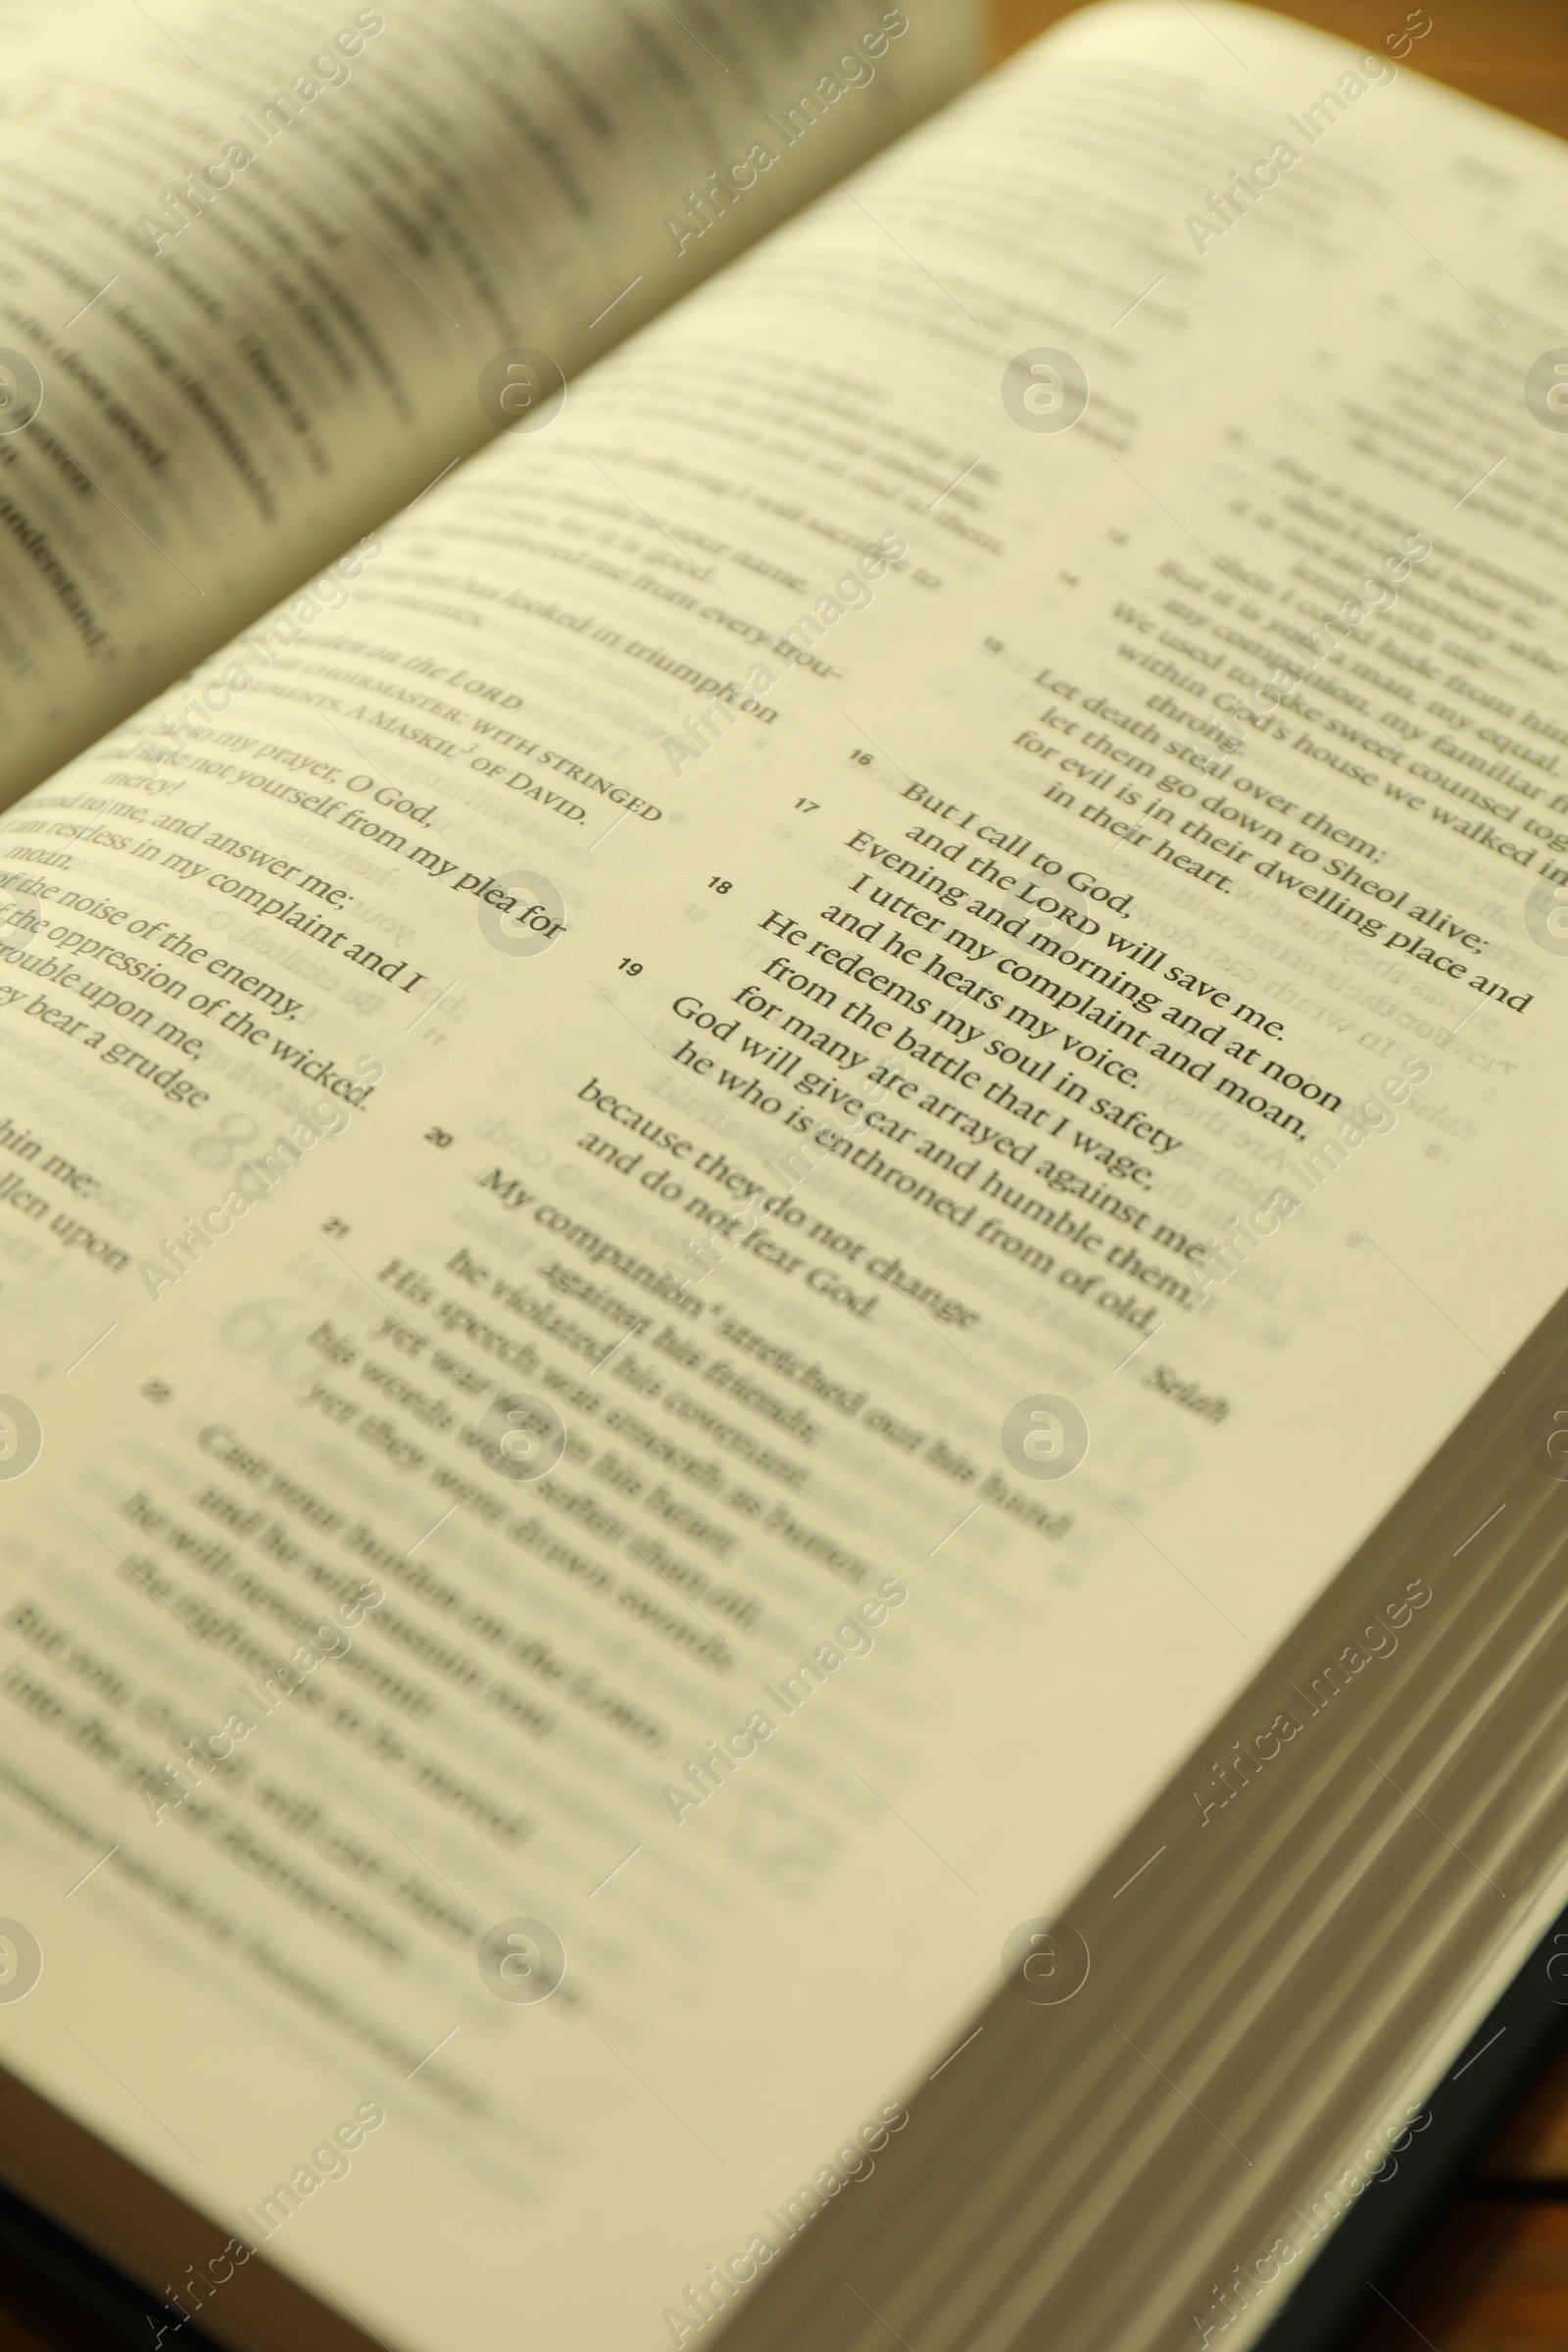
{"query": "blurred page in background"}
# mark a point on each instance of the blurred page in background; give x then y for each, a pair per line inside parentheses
(267, 272)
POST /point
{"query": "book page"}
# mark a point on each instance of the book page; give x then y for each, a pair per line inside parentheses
(714, 1210)
(272, 272)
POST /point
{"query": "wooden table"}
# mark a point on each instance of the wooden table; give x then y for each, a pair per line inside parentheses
(1512, 53)
(1490, 2272)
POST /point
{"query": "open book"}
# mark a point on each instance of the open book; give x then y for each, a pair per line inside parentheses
(784, 1417)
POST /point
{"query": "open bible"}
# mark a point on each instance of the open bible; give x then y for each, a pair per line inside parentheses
(784, 1422)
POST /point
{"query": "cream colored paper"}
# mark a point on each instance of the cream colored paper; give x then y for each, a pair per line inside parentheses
(505, 828)
(269, 268)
